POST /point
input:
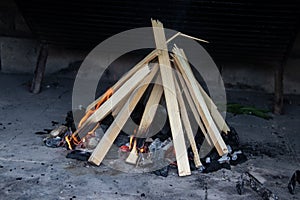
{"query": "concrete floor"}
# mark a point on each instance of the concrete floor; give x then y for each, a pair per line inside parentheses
(30, 170)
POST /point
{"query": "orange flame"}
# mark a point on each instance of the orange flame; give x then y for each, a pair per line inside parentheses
(73, 139)
(68, 142)
(105, 97)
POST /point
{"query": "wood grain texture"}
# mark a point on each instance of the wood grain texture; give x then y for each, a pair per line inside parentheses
(191, 99)
(130, 73)
(171, 100)
(111, 103)
(216, 115)
(209, 123)
(112, 132)
(147, 117)
(187, 125)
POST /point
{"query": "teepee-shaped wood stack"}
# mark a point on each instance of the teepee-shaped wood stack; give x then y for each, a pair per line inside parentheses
(170, 86)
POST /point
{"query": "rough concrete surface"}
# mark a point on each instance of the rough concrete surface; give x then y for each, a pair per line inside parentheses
(30, 170)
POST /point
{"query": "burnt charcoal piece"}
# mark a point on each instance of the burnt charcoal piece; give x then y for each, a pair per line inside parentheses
(241, 158)
(70, 121)
(249, 180)
(54, 123)
(292, 184)
(240, 187)
(232, 139)
(53, 142)
(215, 166)
(79, 155)
(162, 172)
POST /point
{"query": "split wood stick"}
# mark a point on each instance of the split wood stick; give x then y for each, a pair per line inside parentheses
(118, 108)
(171, 100)
(203, 110)
(112, 102)
(187, 36)
(216, 115)
(117, 125)
(186, 124)
(191, 99)
(130, 73)
(147, 118)
(219, 120)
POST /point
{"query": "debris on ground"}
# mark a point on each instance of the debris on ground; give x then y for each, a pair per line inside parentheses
(292, 184)
(249, 180)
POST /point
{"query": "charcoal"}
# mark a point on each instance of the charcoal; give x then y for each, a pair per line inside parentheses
(54, 123)
(249, 180)
(162, 172)
(292, 184)
(215, 166)
(53, 142)
(240, 158)
(70, 121)
(232, 139)
(79, 155)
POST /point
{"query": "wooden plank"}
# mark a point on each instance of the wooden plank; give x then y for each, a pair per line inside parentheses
(111, 103)
(39, 70)
(150, 108)
(130, 73)
(117, 125)
(200, 104)
(186, 124)
(171, 100)
(191, 99)
(216, 115)
(120, 105)
(147, 118)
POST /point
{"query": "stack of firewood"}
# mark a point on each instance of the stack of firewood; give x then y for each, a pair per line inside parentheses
(175, 83)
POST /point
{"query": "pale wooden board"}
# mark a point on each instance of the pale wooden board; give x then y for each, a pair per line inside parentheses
(120, 105)
(150, 108)
(147, 117)
(111, 103)
(130, 73)
(191, 99)
(112, 132)
(171, 100)
(216, 115)
(186, 124)
(209, 123)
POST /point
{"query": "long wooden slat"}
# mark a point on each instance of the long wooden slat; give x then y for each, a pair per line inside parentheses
(202, 108)
(171, 100)
(191, 99)
(117, 125)
(147, 118)
(120, 105)
(130, 73)
(187, 125)
(111, 103)
(216, 115)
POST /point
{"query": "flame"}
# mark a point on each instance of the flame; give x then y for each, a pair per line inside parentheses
(131, 141)
(68, 140)
(73, 139)
(105, 97)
